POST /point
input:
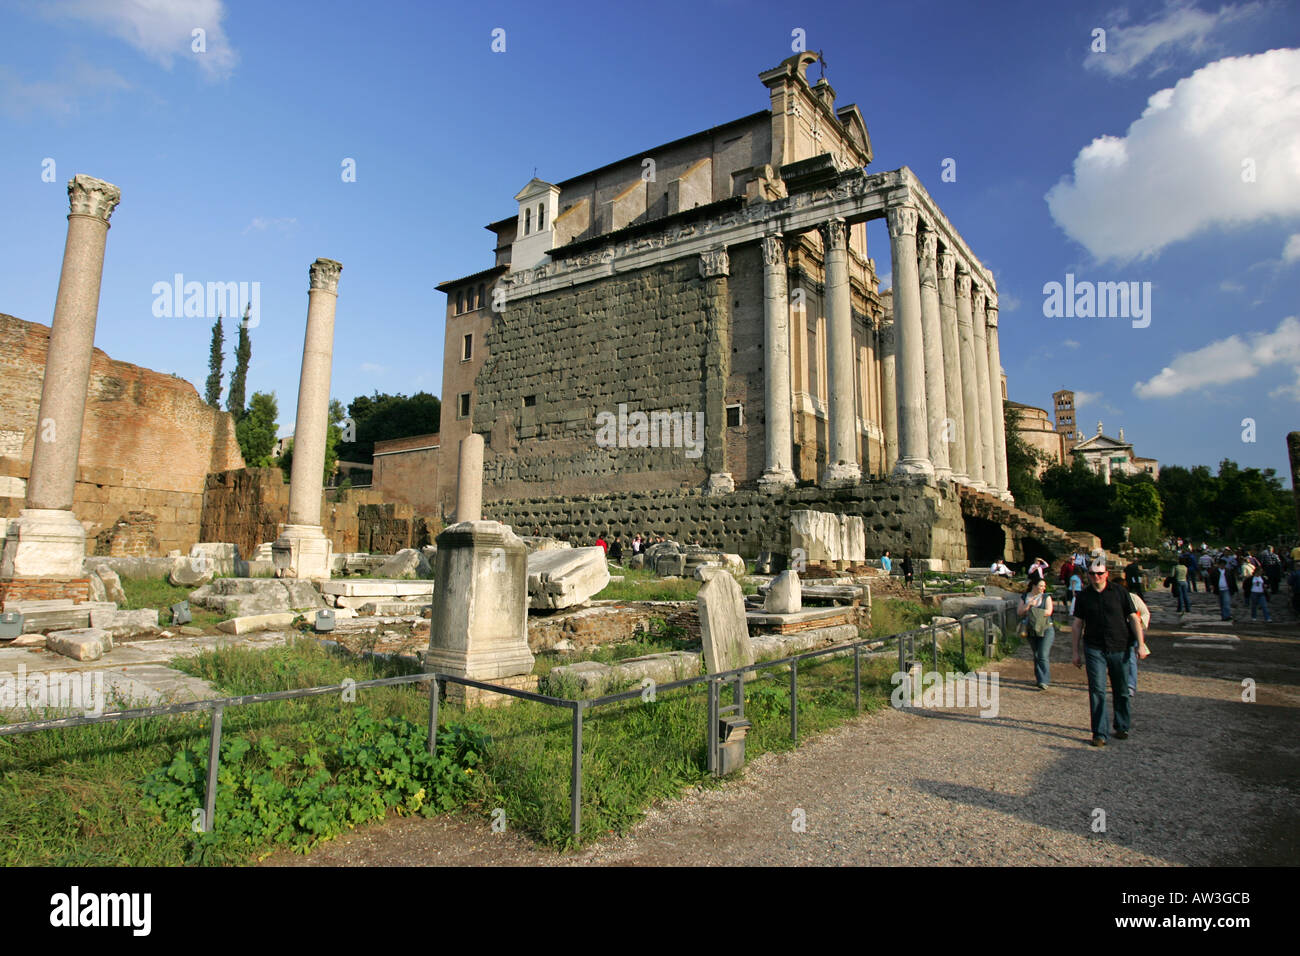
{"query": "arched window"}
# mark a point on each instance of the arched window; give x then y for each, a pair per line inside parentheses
(541, 216)
(528, 221)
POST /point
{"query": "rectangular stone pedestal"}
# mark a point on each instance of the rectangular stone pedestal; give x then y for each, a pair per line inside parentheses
(468, 697)
(43, 543)
(302, 551)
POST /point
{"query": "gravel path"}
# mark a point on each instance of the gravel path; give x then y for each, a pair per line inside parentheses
(1205, 779)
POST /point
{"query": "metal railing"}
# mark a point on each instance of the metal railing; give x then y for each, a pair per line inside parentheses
(905, 640)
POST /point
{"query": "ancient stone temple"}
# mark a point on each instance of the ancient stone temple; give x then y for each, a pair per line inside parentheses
(701, 320)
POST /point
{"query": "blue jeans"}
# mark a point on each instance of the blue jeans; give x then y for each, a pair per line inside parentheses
(1225, 605)
(1258, 600)
(1183, 596)
(1099, 664)
(1042, 648)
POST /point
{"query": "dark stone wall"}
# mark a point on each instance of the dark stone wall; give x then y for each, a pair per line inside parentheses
(928, 520)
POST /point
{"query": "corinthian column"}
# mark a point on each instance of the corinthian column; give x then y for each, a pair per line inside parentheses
(777, 402)
(303, 550)
(987, 467)
(995, 374)
(46, 540)
(888, 394)
(909, 357)
(971, 419)
(936, 404)
(842, 453)
(954, 433)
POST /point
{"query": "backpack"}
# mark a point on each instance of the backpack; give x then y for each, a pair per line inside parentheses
(1036, 621)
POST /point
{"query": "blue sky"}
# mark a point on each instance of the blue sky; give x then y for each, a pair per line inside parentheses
(1172, 158)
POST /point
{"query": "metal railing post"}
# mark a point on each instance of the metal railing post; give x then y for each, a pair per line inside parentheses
(794, 702)
(934, 644)
(711, 730)
(433, 717)
(857, 677)
(962, 623)
(575, 782)
(214, 759)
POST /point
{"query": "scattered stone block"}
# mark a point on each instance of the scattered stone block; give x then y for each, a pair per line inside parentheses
(112, 584)
(258, 622)
(81, 644)
(407, 563)
(565, 577)
(785, 595)
(722, 625)
(27, 640)
(187, 630)
(241, 597)
(535, 543)
(191, 572)
(670, 565)
(97, 592)
(221, 556)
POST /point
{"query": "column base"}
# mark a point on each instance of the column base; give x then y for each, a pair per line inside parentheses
(719, 483)
(776, 479)
(913, 469)
(841, 473)
(44, 543)
(943, 474)
(302, 551)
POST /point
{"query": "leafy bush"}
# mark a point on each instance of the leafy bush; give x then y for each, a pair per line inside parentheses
(297, 794)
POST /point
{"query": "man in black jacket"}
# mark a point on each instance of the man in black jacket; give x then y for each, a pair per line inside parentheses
(1108, 624)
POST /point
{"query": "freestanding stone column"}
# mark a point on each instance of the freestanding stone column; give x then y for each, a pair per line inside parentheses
(995, 376)
(469, 479)
(778, 403)
(954, 433)
(842, 431)
(937, 423)
(715, 267)
(971, 420)
(888, 394)
(46, 540)
(980, 323)
(909, 364)
(303, 550)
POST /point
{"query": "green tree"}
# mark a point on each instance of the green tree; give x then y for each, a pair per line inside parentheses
(1023, 462)
(213, 390)
(256, 431)
(1187, 498)
(1257, 527)
(238, 378)
(380, 417)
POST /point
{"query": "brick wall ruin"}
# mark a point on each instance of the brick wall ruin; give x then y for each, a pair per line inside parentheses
(926, 519)
(248, 505)
(147, 444)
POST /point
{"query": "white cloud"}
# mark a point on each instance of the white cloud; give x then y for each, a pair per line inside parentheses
(1070, 344)
(160, 29)
(1291, 252)
(1227, 360)
(262, 223)
(1229, 285)
(1180, 27)
(1183, 165)
(1082, 398)
(75, 79)
(1008, 303)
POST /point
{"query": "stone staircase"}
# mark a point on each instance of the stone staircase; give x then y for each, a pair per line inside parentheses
(981, 504)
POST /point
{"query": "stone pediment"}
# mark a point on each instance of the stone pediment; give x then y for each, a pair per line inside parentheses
(1101, 443)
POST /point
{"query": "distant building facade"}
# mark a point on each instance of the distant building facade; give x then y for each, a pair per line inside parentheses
(1063, 405)
(1037, 430)
(1106, 456)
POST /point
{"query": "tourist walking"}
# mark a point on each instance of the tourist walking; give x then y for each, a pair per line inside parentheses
(1105, 624)
(1037, 609)
(886, 562)
(1224, 579)
(1182, 595)
(1133, 579)
(907, 568)
(1037, 572)
(1076, 585)
(1259, 597)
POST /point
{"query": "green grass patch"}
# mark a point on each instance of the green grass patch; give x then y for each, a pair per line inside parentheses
(160, 594)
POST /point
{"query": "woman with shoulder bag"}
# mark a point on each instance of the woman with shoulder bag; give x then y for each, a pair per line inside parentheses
(1036, 609)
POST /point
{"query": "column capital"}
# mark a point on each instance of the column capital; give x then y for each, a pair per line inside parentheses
(927, 249)
(991, 312)
(323, 276)
(963, 283)
(834, 233)
(714, 264)
(947, 265)
(902, 220)
(774, 250)
(88, 196)
(978, 298)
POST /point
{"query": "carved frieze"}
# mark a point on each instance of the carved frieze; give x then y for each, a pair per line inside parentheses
(714, 264)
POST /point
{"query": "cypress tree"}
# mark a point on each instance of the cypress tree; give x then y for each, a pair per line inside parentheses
(213, 391)
(243, 352)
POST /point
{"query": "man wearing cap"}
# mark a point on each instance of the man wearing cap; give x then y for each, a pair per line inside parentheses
(1107, 621)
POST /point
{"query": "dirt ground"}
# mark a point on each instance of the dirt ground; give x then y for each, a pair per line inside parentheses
(1206, 778)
